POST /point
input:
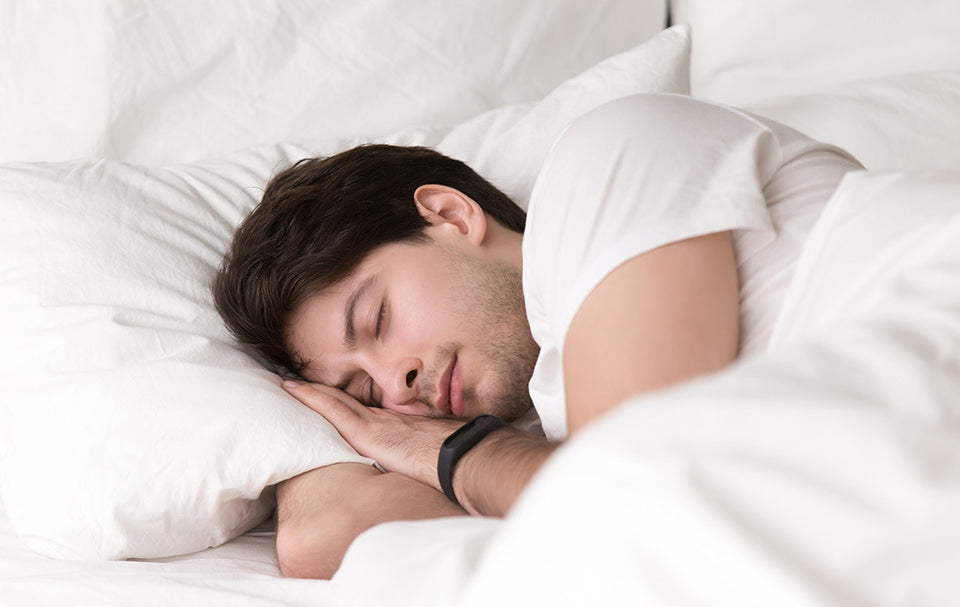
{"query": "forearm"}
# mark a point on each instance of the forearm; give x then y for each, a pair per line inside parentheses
(321, 512)
(488, 479)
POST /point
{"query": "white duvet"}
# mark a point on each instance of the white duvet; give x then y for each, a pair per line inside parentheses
(826, 471)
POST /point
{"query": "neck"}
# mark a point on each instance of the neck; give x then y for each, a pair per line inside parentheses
(506, 245)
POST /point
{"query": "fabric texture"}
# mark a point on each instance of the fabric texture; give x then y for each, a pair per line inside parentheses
(754, 50)
(864, 246)
(158, 83)
(644, 171)
(132, 426)
(878, 78)
(509, 145)
(120, 387)
(900, 122)
(823, 472)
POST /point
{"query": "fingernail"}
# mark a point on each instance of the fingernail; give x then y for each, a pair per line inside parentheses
(289, 384)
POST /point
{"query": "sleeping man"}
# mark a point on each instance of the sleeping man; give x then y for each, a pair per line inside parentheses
(419, 307)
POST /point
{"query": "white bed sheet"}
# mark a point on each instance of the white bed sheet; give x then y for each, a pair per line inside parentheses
(240, 573)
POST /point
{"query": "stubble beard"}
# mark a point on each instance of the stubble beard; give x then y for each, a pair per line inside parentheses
(498, 316)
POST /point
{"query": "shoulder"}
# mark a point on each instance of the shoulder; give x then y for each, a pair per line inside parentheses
(631, 174)
(659, 115)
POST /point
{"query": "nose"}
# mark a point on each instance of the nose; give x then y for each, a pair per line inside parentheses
(400, 383)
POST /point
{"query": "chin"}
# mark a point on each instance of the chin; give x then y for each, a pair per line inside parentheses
(505, 409)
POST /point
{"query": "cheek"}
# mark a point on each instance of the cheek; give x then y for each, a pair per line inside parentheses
(421, 320)
(431, 304)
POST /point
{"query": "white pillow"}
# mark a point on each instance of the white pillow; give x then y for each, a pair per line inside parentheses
(749, 50)
(908, 121)
(130, 424)
(509, 146)
(163, 82)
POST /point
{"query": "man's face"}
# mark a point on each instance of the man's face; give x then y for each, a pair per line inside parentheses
(425, 329)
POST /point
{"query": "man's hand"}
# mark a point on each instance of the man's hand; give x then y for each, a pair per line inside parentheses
(407, 444)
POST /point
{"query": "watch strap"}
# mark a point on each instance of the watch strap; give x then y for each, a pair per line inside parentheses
(458, 444)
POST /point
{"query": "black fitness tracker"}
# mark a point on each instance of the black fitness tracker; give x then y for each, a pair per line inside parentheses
(457, 444)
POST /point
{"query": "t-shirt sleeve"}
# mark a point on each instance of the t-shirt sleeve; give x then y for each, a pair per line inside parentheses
(634, 175)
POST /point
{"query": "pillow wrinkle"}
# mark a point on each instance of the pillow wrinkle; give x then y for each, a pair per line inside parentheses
(128, 394)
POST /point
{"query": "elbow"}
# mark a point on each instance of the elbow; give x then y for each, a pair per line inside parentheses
(310, 548)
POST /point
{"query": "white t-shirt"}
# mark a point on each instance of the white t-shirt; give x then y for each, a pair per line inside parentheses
(649, 170)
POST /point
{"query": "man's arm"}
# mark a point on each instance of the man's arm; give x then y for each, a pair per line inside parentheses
(661, 317)
(664, 316)
(486, 480)
(321, 512)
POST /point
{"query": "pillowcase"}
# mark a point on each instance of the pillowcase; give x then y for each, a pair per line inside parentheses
(908, 121)
(130, 423)
(156, 83)
(509, 145)
(750, 50)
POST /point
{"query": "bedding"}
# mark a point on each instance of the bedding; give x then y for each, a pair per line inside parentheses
(901, 122)
(241, 572)
(157, 82)
(165, 435)
(878, 78)
(823, 473)
(135, 136)
(749, 50)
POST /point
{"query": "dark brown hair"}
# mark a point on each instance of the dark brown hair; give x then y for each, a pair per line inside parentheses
(317, 222)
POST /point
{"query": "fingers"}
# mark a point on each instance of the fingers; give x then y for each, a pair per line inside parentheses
(407, 444)
(329, 402)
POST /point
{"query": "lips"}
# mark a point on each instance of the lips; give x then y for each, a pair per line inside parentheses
(450, 390)
(456, 388)
(443, 389)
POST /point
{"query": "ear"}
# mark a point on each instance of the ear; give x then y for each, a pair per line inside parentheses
(443, 206)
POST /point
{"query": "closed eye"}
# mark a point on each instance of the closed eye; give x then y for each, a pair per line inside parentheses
(384, 307)
(364, 395)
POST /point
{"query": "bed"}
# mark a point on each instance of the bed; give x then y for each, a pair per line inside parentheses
(139, 445)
